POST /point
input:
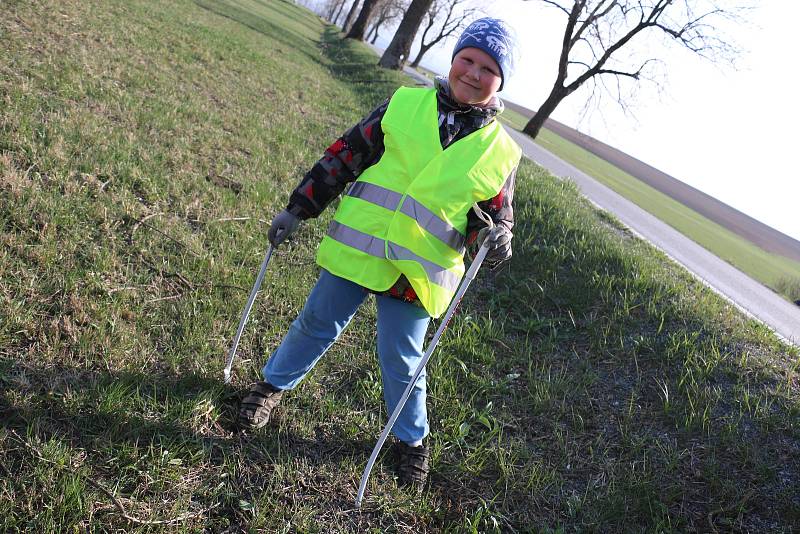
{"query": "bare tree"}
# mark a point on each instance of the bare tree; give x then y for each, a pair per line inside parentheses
(332, 7)
(328, 9)
(339, 13)
(387, 11)
(350, 15)
(396, 54)
(597, 30)
(360, 25)
(451, 15)
(372, 33)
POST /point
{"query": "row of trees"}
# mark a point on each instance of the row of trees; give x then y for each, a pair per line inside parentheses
(370, 15)
(363, 20)
(595, 34)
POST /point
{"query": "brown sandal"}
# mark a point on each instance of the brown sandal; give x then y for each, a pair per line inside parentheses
(257, 406)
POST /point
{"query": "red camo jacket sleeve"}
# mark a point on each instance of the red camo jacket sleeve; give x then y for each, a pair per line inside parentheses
(344, 160)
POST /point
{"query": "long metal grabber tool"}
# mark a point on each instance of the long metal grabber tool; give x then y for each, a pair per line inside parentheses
(246, 312)
(468, 277)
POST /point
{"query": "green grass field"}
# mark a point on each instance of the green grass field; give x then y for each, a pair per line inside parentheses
(776, 272)
(591, 385)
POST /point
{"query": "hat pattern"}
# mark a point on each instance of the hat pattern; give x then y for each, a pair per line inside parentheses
(494, 37)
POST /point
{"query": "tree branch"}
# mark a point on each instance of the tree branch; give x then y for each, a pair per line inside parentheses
(634, 75)
(556, 5)
(592, 18)
(604, 27)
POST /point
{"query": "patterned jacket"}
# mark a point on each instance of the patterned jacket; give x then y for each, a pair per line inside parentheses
(362, 146)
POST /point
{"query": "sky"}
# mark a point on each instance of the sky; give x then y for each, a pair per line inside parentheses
(727, 131)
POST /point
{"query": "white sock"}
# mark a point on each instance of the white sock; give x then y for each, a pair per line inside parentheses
(415, 443)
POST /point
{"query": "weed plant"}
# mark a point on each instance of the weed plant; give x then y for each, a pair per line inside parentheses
(589, 386)
(790, 287)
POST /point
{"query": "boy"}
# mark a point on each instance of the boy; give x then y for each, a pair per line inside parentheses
(401, 230)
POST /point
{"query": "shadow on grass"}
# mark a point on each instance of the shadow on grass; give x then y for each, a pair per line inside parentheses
(91, 408)
(358, 67)
(111, 414)
(130, 425)
(635, 360)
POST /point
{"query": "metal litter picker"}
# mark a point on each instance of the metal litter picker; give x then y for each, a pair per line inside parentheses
(468, 277)
(246, 312)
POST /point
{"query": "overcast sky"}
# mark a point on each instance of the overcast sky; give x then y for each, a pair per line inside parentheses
(728, 132)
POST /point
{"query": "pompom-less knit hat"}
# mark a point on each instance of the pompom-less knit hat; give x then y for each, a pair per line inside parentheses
(497, 39)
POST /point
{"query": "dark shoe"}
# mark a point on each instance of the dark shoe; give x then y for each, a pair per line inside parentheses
(257, 406)
(413, 465)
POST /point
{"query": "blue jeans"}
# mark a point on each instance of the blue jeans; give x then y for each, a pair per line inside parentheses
(401, 334)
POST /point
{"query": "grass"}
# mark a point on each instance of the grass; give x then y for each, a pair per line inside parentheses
(589, 386)
(770, 269)
(789, 286)
(514, 119)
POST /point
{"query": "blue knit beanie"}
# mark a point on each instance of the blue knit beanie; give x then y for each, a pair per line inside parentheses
(497, 39)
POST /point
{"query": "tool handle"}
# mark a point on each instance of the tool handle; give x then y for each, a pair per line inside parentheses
(246, 312)
(468, 277)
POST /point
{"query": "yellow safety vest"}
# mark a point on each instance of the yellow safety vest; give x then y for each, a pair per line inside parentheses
(407, 214)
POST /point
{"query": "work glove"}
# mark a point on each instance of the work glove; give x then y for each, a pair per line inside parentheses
(499, 241)
(283, 225)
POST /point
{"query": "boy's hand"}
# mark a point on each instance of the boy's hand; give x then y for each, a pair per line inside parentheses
(283, 225)
(499, 241)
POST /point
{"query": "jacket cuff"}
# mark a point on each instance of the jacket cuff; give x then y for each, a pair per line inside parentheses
(298, 211)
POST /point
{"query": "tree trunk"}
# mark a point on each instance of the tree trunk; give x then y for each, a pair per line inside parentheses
(422, 50)
(374, 36)
(555, 97)
(396, 53)
(371, 32)
(335, 5)
(339, 13)
(360, 25)
(350, 14)
(422, 46)
(377, 26)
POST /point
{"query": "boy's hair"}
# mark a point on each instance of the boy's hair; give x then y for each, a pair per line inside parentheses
(497, 39)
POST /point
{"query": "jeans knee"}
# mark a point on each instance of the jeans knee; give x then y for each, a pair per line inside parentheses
(401, 378)
(312, 325)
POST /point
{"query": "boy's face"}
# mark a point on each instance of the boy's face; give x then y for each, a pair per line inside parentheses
(474, 77)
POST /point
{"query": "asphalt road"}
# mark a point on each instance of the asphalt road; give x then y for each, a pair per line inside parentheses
(750, 296)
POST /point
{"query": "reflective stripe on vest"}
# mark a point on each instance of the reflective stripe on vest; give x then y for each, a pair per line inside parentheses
(427, 220)
(386, 249)
(385, 198)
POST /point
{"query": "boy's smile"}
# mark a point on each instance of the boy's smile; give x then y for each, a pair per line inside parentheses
(474, 77)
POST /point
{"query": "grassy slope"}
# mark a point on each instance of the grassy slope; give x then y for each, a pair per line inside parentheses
(590, 386)
(772, 270)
